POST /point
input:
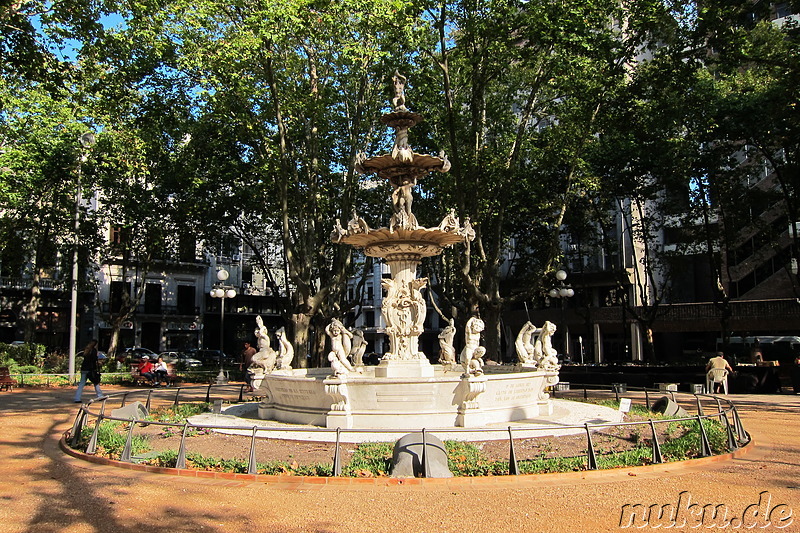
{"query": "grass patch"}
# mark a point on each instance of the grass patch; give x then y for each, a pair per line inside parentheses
(370, 459)
(177, 414)
(111, 438)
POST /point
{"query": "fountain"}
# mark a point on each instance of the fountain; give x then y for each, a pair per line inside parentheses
(405, 390)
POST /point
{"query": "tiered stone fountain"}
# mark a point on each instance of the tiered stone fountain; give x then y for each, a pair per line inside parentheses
(405, 390)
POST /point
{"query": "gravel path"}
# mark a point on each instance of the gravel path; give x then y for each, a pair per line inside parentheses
(43, 490)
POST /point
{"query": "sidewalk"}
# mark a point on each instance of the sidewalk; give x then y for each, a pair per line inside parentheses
(43, 490)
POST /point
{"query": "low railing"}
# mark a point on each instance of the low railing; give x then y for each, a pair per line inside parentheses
(61, 379)
(721, 409)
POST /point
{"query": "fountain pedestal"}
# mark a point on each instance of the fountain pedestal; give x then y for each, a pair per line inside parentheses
(413, 368)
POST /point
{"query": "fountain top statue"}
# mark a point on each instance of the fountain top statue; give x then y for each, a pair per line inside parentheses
(403, 168)
(405, 242)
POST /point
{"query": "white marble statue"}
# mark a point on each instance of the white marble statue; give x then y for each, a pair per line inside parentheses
(472, 353)
(399, 100)
(404, 312)
(467, 230)
(447, 353)
(338, 232)
(445, 162)
(402, 217)
(340, 346)
(265, 357)
(545, 354)
(525, 344)
(450, 222)
(286, 351)
(356, 224)
(358, 348)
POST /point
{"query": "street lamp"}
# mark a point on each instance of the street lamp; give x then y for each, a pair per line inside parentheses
(87, 140)
(222, 292)
(562, 292)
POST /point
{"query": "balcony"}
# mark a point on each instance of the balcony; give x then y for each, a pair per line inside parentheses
(163, 310)
(25, 284)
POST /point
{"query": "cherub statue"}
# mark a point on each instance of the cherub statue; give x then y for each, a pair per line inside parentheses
(399, 100)
(401, 206)
(472, 353)
(286, 352)
(445, 162)
(524, 344)
(338, 232)
(357, 224)
(467, 230)
(450, 222)
(543, 350)
(265, 357)
(340, 345)
(358, 348)
(447, 353)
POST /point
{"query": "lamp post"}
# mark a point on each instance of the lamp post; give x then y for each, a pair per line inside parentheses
(222, 292)
(87, 140)
(562, 292)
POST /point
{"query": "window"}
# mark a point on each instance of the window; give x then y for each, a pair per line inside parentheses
(186, 300)
(152, 298)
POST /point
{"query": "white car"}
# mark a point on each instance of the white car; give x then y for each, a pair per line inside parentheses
(180, 358)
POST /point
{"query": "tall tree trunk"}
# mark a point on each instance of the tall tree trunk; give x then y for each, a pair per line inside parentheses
(301, 323)
(31, 308)
(490, 313)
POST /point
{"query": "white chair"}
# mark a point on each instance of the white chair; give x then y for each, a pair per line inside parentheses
(714, 376)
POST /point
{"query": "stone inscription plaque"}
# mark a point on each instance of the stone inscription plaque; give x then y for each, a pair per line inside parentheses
(516, 391)
(294, 393)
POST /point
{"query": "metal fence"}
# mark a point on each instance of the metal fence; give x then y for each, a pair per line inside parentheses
(705, 407)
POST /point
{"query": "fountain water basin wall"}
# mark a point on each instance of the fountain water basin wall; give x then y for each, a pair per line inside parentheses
(446, 399)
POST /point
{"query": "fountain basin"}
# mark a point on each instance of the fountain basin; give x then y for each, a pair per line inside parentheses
(448, 399)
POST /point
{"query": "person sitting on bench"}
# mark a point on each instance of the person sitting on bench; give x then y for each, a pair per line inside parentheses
(146, 370)
(160, 370)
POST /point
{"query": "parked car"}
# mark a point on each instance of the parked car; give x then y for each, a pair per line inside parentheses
(134, 355)
(181, 359)
(209, 357)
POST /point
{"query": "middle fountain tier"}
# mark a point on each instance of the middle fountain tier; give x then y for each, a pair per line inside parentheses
(404, 243)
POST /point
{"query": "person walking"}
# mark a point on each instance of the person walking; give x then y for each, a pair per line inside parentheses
(90, 371)
(244, 365)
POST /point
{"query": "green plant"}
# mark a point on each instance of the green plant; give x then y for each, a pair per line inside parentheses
(687, 445)
(176, 414)
(111, 438)
(544, 465)
(373, 457)
(465, 459)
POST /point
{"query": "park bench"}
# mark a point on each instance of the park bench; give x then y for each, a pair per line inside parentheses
(6, 381)
(171, 379)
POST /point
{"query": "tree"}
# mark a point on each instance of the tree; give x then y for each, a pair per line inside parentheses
(517, 137)
(295, 86)
(42, 163)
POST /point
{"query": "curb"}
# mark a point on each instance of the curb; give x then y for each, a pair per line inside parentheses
(308, 482)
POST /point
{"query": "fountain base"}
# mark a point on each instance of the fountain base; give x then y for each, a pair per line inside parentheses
(445, 399)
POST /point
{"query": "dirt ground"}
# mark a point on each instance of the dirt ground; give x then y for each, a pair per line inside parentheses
(42, 490)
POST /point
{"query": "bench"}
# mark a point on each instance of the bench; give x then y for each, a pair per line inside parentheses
(6, 381)
(171, 379)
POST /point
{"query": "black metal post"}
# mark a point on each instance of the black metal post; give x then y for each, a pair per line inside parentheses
(251, 465)
(513, 468)
(591, 458)
(180, 461)
(337, 464)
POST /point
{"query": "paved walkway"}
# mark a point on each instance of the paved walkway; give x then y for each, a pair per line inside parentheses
(43, 490)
